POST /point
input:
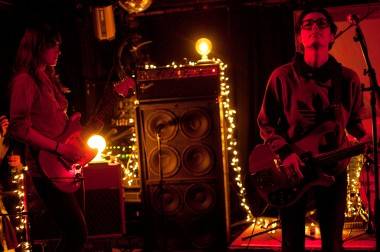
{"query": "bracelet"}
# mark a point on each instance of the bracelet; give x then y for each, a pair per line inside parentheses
(56, 147)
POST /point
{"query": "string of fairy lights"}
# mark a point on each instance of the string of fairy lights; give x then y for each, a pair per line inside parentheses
(21, 210)
(229, 115)
(354, 203)
(127, 158)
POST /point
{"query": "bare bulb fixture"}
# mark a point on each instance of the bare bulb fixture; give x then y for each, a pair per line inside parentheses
(203, 46)
(135, 6)
(97, 142)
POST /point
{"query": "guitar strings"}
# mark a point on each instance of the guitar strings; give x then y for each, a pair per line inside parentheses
(76, 179)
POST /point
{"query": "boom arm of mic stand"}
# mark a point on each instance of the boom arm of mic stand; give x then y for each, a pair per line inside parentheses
(374, 88)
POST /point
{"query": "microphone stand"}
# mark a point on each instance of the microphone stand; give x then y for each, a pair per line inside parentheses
(162, 246)
(374, 89)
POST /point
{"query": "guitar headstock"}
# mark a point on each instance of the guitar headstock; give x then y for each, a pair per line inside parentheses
(125, 87)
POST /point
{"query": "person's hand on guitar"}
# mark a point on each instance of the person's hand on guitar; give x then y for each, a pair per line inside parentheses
(3, 125)
(69, 152)
(14, 162)
(368, 140)
(291, 166)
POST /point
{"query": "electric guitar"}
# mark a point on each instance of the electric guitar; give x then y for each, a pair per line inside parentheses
(277, 189)
(66, 175)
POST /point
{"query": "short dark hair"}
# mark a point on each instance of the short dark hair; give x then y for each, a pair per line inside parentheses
(324, 12)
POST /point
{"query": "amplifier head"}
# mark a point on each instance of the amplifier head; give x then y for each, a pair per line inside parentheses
(170, 83)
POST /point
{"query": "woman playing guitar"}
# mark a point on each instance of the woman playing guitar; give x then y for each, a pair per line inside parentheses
(38, 118)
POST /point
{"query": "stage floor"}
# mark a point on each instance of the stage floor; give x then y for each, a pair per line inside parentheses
(262, 240)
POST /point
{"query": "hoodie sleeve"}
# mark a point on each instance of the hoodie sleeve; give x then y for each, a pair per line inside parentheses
(271, 118)
(354, 125)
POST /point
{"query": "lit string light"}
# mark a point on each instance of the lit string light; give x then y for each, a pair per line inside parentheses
(230, 136)
(127, 156)
(354, 204)
(22, 228)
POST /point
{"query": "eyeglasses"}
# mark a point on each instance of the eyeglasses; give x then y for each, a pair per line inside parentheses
(320, 22)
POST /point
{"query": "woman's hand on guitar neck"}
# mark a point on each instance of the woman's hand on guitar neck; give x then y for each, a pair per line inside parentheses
(69, 152)
(292, 167)
(368, 140)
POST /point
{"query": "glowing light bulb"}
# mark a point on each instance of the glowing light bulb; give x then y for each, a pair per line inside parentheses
(203, 46)
(97, 142)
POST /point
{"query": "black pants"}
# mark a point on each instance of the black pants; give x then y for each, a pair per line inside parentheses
(330, 204)
(67, 213)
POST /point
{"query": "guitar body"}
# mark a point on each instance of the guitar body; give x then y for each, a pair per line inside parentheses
(274, 186)
(65, 175)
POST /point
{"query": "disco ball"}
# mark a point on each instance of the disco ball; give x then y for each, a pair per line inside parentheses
(135, 6)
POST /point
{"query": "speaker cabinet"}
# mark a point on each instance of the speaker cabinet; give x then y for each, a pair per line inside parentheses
(104, 204)
(181, 159)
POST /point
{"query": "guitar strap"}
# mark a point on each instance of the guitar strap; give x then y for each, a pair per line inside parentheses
(335, 97)
(329, 75)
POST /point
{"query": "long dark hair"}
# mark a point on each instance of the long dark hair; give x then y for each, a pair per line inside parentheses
(32, 45)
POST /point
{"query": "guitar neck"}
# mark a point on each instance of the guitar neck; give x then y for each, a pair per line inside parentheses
(103, 109)
(106, 105)
(341, 153)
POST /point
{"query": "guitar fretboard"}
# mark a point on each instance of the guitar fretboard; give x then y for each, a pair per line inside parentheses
(341, 153)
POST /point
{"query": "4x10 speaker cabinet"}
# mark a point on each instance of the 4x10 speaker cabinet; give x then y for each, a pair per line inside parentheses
(181, 159)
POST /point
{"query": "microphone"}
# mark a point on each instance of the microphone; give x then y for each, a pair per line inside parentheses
(161, 125)
(353, 19)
